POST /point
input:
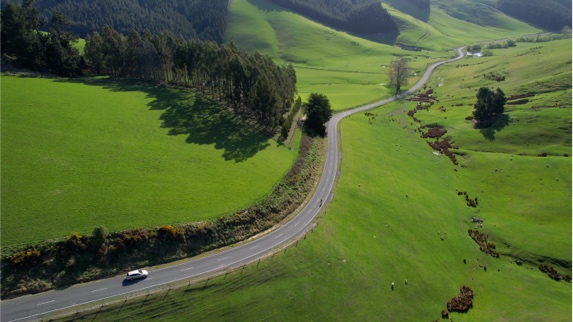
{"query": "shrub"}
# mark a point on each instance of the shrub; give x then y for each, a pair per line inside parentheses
(463, 301)
(171, 233)
(25, 257)
(100, 233)
(75, 242)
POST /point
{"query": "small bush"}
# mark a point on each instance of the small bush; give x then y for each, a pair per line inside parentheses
(25, 257)
(462, 302)
(100, 233)
(171, 233)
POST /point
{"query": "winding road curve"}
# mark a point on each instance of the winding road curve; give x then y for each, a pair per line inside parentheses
(32, 307)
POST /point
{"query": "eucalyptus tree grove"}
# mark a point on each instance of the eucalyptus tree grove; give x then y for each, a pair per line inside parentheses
(252, 84)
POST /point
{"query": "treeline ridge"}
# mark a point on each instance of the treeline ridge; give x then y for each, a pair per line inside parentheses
(252, 84)
(206, 20)
(549, 14)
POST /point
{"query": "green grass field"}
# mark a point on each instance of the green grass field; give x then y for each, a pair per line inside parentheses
(395, 198)
(373, 235)
(78, 154)
(528, 196)
(348, 69)
(541, 125)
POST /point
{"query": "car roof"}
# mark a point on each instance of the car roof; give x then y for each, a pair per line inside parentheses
(137, 271)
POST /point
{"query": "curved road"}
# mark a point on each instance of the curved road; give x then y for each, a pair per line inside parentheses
(33, 306)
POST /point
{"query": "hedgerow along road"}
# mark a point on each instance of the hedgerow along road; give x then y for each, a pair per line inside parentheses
(34, 306)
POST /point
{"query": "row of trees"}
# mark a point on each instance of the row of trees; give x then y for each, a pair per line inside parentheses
(206, 20)
(252, 84)
(358, 16)
(549, 14)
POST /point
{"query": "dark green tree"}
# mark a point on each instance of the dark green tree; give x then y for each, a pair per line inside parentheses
(93, 53)
(100, 233)
(318, 112)
(489, 105)
(60, 55)
(252, 84)
(20, 34)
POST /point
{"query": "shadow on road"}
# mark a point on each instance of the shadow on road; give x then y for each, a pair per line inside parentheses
(132, 282)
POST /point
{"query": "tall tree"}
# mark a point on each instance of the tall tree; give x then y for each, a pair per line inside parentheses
(488, 106)
(60, 55)
(398, 73)
(113, 47)
(93, 53)
(318, 112)
(252, 84)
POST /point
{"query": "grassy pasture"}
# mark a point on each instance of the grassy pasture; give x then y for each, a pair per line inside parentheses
(374, 235)
(529, 197)
(442, 31)
(370, 236)
(541, 125)
(349, 69)
(77, 154)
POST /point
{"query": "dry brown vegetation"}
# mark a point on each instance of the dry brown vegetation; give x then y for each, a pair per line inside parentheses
(551, 272)
(462, 302)
(481, 239)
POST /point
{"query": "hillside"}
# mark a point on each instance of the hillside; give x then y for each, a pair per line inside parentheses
(397, 218)
(205, 20)
(447, 24)
(398, 239)
(394, 244)
(550, 14)
(348, 69)
(358, 16)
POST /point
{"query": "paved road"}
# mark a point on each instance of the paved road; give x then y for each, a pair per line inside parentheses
(34, 306)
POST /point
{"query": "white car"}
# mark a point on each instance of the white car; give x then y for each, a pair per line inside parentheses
(140, 273)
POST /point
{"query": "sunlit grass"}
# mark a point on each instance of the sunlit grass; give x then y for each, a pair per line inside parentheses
(79, 154)
(394, 201)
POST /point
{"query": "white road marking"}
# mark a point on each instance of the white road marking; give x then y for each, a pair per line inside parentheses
(298, 222)
(253, 247)
(222, 258)
(46, 302)
(278, 236)
(101, 289)
(186, 269)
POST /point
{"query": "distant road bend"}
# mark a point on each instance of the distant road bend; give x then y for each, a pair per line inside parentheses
(32, 307)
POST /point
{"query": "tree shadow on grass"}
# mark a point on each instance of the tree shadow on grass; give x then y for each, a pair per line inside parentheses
(188, 113)
(500, 122)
